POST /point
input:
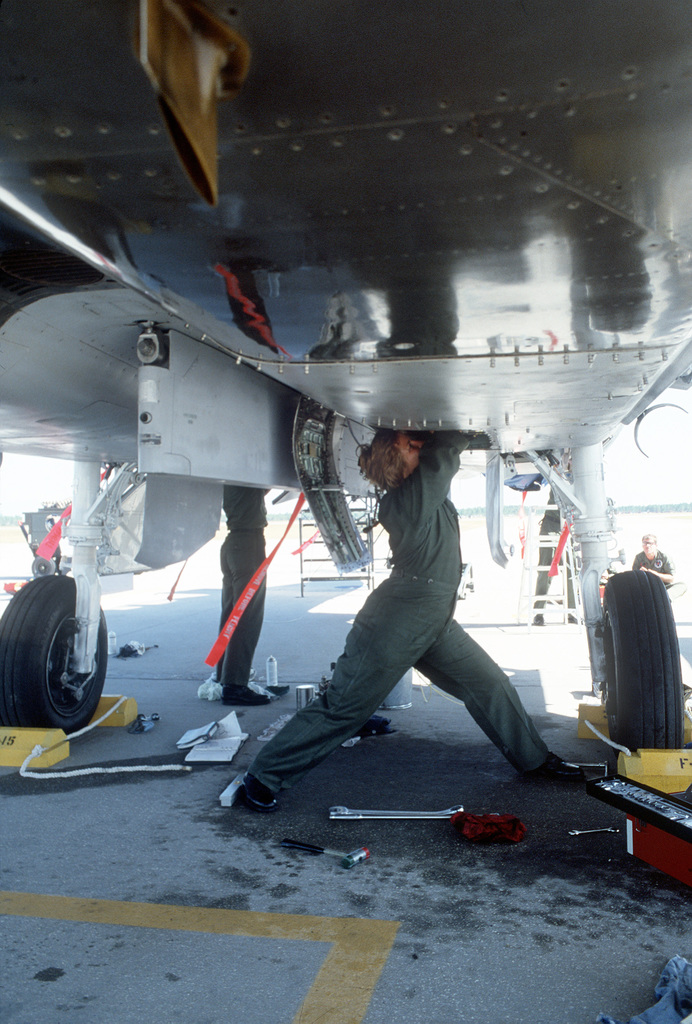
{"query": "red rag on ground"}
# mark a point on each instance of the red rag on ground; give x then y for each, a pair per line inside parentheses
(489, 828)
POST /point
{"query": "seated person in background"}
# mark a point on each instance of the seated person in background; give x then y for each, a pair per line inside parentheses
(650, 559)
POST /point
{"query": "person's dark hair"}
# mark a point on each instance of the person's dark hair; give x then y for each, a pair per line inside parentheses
(381, 462)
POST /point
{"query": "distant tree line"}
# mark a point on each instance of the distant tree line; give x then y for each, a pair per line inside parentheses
(684, 506)
(475, 513)
(9, 520)
(512, 510)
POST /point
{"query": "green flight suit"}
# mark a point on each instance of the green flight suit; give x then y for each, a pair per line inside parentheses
(408, 620)
(242, 553)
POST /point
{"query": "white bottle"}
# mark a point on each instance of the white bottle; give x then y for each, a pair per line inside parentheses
(272, 671)
(112, 643)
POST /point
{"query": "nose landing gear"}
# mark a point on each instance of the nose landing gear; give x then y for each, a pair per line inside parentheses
(38, 685)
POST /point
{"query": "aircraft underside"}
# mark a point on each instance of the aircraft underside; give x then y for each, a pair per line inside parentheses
(224, 230)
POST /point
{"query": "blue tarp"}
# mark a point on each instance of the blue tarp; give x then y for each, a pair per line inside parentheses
(525, 482)
(673, 997)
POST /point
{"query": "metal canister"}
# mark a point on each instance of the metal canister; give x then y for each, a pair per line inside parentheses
(304, 694)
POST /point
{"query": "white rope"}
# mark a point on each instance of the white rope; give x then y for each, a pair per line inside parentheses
(38, 750)
(606, 739)
(92, 725)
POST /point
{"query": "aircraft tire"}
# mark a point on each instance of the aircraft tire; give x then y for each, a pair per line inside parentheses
(36, 640)
(644, 691)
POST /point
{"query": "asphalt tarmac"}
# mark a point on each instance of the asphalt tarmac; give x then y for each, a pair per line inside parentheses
(138, 897)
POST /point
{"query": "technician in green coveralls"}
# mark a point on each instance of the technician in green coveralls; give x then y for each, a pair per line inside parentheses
(408, 620)
(242, 553)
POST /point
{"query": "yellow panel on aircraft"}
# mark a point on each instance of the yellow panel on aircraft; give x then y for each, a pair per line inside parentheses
(193, 59)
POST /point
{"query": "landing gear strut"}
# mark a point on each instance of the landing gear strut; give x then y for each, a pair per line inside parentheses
(633, 644)
(53, 638)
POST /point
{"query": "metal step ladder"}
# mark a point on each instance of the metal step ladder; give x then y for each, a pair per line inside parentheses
(539, 550)
(316, 562)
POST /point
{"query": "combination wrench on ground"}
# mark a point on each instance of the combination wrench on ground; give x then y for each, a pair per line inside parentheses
(345, 813)
(587, 831)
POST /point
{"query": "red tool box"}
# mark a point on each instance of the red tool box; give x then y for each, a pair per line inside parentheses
(659, 826)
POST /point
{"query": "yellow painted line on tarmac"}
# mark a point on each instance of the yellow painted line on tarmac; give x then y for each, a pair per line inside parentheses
(342, 990)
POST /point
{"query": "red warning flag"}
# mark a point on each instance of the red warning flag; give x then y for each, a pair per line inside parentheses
(49, 544)
(243, 601)
(552, 571)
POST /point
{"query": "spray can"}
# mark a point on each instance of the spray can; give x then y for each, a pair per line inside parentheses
(112, 643)
(272, 671)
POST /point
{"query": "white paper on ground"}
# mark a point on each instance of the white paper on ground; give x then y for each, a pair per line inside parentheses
(225, 744)
(201, 735)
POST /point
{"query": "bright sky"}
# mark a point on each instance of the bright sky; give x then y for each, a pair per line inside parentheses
(27, 483)
(666, 437)
(631, 478)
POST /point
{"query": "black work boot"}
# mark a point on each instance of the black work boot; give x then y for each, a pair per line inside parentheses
(256, 795)
(242, 695)
(555, 768)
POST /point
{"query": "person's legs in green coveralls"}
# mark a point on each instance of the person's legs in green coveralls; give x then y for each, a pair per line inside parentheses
(401, 624)
(459, 666)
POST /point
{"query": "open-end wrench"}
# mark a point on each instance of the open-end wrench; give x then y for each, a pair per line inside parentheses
(586, 831)
(345, 813)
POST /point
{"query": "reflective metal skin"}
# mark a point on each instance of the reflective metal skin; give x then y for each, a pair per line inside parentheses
(417, 215)
(462, 213)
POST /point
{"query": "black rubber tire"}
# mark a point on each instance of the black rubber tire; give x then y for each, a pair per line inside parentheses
(36, 642)
(643, 673)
